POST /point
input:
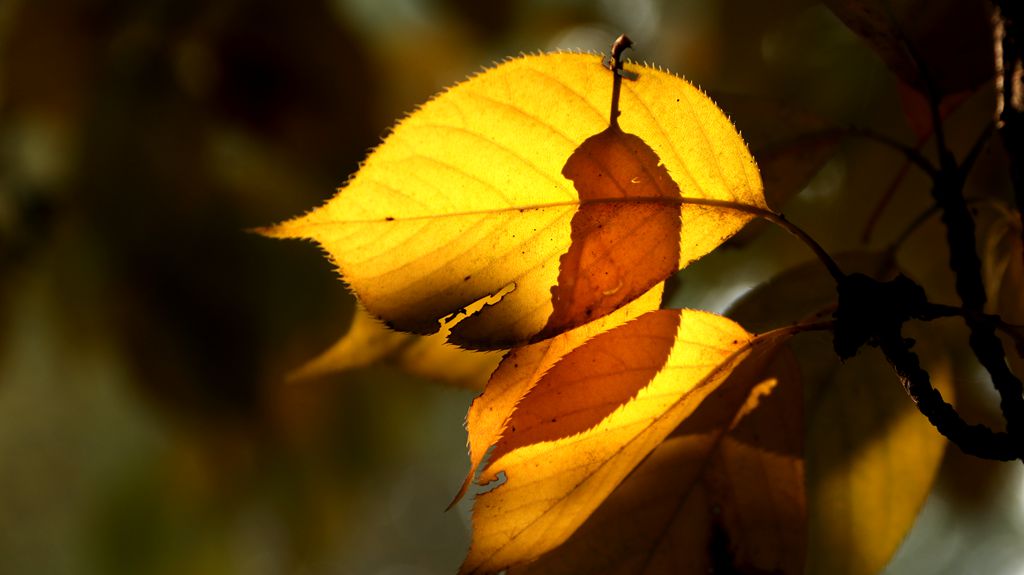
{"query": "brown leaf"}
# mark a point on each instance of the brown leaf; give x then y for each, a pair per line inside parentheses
(918, 113)
(619, 249)
(951, 38)
(587, 386)
(522, 368)
(732, 474)
(553, 485)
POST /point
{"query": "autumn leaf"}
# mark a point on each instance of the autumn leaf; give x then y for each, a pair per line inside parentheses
(368, 342)
(558, 469)
(522, 368)
(723, 493)
(950, 39)
(871, 457)
(466, 198)
(597, 275)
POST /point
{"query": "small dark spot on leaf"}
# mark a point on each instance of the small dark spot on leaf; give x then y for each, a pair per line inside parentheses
(466, 279)
(389, 219)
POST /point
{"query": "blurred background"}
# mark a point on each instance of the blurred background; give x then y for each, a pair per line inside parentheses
(145, 426)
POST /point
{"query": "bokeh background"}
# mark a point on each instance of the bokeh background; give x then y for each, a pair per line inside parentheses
(145, 426)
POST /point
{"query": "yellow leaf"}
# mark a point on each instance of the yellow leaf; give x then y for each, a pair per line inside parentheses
(368, 342)
(466, 199)
(523, 367)
(554, 484)
(705, 500)
(871, 457)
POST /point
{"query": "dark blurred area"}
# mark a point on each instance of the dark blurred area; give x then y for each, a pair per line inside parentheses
(145, 333)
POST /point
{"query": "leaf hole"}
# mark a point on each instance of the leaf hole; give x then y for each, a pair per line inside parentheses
(451, 320)
(500, 479)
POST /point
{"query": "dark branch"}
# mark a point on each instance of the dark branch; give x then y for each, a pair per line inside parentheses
(976, 440)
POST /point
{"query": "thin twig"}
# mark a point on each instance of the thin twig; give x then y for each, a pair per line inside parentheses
(912, 154)
(781, 221)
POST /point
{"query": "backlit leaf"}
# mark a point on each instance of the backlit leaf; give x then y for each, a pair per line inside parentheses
(369, 342)
(557, 473)
(872, 458)
(522, 368)
(599, 272)
(723, 493)
(466, 198)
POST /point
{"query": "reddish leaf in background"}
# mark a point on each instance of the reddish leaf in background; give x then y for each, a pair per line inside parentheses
(951, 39)
(918, 114)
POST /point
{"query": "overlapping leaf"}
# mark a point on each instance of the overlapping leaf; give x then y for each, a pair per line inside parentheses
(522, 368)
(723, 493)
(871, 457)
(466, 198)
(560, 464)
(368, 342)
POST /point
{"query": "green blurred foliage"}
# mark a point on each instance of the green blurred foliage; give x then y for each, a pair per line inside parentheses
(144, 334)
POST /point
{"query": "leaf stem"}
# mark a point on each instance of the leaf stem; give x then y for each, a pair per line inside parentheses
(911, 153)
(781, 221)
(618, 47)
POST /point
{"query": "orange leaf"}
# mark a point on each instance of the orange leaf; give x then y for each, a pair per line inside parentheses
(554, 484)
(520, 370)
(619, 248)
(723, 493)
